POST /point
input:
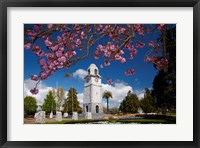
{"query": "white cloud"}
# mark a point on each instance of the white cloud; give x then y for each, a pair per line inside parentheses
(80, 99)
(140, 96)
(119, 90)
(80, 73)
(43, 90)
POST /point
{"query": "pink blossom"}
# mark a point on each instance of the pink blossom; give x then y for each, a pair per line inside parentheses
(78, 42)
(34, 77)
(45, 67)
(43, 75)
(117, 57)
(27, 45)
(130, 47)
(49, 25)
(107, 54)
(140, 45)
(121, 52)
(62, 59)
(59, 39)
(139, 28)
(96, 56)
(83, 35)
(60, 66)
(30, 33)
(99, 27)
(50, 56)
(152, 59)
(58, 53)
(55, 62)
(151, 44)
(161, 26)
(66, 54)
(54, 48)
(109, 81)
(42, 62)
(52, 66)
(101, 66)
(162, 63)
(91, 42)
(136, 26)
(129, 72)
(157, 46)
(112, 47)
(77, 26)
(38, 27)
(121, 30)
(129, 25)
(40, 53)
(141, 32)
(123, 60)
(133, 53)
(107, 63)
(73, 53)
(148, 59)
(97, 52)
(61, 48)
(80, 48)
(47, 42)
(101, 47)
(34, 91)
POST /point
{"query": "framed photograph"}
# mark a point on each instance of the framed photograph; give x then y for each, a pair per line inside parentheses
(104, 73)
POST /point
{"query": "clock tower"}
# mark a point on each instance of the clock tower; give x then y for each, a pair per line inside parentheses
(92, 100)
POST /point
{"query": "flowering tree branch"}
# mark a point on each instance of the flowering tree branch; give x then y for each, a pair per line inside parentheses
(61, 52)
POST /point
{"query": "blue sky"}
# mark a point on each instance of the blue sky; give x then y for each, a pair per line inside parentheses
(143, 77)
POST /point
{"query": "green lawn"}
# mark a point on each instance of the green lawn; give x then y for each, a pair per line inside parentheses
(158, 120)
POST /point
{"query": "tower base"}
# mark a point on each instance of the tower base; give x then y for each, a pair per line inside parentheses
(93, 108)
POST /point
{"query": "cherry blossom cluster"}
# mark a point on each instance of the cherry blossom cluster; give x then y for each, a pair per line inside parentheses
(161, 63)
(111, 52)
(109, 81)
(130, 72)
(137, 28)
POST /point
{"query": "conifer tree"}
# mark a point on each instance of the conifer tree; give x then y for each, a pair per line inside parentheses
(72, 103)
(49, 103)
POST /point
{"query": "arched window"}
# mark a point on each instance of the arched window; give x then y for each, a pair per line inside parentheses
(97, 109)
(88, 72)
(95, 71)
(86, 108)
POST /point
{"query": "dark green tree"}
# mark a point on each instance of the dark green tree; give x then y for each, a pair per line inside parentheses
(30, 105)
(147, 103)
(107, 95)
(164, 84)
(130, 104)
(72, 103)
(49, 103)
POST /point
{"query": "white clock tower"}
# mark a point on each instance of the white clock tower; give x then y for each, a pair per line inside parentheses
(92, 100)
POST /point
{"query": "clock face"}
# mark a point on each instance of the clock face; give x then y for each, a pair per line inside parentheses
(87, 80)
(96, 79)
